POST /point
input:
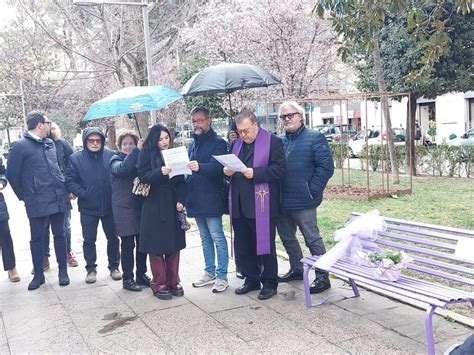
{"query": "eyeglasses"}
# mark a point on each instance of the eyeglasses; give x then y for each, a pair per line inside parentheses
(199, 121)
(46, 122)
(94, 141)
(288, 116)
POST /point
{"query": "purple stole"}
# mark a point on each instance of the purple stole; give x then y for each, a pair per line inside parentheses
(261, 155)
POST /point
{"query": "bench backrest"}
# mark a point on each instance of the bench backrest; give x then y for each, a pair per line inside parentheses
(431, 246)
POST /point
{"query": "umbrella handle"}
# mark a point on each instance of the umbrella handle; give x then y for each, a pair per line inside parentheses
(138, 127)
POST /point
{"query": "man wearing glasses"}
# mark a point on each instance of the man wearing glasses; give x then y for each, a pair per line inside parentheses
(309, 168)
(88, 178)
(36, 179)
(205, 199)
(255, 204)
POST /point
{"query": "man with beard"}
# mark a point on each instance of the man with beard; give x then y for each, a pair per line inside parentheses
(205, 198)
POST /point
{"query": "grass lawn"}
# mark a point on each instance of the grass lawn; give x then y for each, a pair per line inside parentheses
(436, 200)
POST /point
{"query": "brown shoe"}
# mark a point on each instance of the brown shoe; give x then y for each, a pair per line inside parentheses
(13, 275)
(45, 265)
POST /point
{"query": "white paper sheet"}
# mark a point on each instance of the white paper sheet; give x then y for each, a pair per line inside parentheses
(465, 249)
(177, 159)
(230, 161)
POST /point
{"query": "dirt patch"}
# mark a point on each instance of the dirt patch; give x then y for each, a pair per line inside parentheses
(354, 192)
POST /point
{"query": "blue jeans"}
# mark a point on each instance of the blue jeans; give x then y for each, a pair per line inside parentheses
(212, 233)
(306, 221)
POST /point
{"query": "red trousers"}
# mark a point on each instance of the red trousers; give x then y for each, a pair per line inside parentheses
(164, 269)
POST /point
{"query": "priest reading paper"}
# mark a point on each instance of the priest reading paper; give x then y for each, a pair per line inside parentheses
(254, 204)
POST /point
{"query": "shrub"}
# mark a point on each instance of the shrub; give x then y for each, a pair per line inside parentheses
(339, 151)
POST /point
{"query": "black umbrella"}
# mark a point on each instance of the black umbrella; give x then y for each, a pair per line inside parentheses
(227, 78)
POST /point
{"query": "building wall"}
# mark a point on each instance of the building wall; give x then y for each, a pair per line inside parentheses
(451, 113)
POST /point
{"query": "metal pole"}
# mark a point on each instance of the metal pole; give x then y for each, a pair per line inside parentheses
(23, 104)
(367, 147)
(146, 32)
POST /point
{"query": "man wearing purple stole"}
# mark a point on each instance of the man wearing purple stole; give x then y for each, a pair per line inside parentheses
(254, 204)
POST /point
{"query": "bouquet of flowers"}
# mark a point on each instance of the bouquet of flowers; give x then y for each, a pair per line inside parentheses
(388, 264)
(358, 234)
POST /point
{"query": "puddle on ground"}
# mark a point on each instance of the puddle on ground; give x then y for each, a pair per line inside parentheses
(117, 322)
(288, 295)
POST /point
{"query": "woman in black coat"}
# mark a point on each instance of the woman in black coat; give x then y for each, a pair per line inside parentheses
(6, 243)
(161, 235)
(126, 208)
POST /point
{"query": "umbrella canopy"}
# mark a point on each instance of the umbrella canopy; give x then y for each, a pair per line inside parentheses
(132, 99)
(226, 78)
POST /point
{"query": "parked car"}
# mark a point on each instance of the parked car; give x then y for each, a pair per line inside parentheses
(465, 139)
(337, 132)
(357, 144)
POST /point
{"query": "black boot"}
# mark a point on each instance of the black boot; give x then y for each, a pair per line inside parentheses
(131, 285)
(143, 280)
(63, 277)
(320, 284)
(37, 281)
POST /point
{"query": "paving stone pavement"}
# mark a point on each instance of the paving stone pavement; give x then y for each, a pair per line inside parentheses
(104, 318)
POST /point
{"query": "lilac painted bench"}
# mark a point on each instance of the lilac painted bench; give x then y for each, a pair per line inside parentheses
(432, 248)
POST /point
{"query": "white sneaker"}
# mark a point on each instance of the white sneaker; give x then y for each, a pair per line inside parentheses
(206, 279)
(220, 285)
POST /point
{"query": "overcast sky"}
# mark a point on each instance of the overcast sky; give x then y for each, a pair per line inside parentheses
(6, 13)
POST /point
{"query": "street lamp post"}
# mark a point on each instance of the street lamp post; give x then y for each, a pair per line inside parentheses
(146, 32)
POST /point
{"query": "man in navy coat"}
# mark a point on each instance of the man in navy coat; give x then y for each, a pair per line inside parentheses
(88, 178)
(205, 198)
(309, 168)
(36, 179)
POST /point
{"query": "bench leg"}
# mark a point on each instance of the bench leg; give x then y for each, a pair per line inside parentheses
(307, 294)
(429, 330)
(354, 288)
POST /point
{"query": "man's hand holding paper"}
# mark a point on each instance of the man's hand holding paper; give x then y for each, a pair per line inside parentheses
(230, 161)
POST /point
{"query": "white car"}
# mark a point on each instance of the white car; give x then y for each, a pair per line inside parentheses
(357, 144)
(465, 139)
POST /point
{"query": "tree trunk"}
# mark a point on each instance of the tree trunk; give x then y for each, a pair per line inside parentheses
(385, 110)
(411, 131)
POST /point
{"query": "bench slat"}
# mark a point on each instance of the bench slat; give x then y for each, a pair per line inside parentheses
(432, 243)
(423, 287)
(442, 264)
(465, 232)
(415, 287)
(422, 251)
(442, 274)
(422, 232)
(388, 287)
(452, 294)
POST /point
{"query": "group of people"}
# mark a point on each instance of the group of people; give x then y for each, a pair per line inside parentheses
(280, 189)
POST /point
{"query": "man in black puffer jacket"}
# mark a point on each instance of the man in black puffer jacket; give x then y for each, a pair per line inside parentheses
(35, 176)
(88, 178)
(309, 168)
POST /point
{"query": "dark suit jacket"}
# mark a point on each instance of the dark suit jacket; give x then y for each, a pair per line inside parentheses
(243, 189)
